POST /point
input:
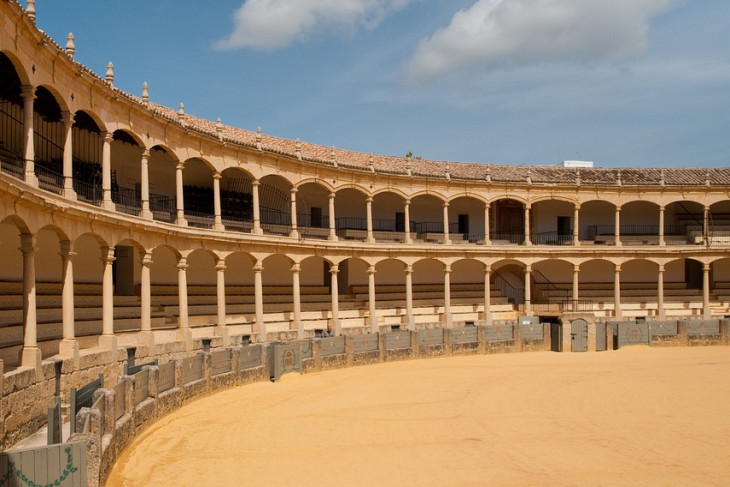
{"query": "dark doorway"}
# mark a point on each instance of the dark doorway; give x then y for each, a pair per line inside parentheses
(400, 222)
(463, 224)
(316, 217)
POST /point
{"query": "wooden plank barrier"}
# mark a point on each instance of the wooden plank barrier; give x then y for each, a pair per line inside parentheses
(365, 343)
(120, 399)
(430, 337)
(220, 362)
(397, 340)
(59, 464)
(250, 357)
(192, 368)
(497, 333)
(141, 386)
(332, 346)
(166, 377)
(83, 398)
(462, 336)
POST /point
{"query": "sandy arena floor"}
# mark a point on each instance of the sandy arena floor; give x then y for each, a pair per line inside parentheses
(631, 417)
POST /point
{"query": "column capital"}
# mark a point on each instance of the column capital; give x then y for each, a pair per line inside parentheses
(618, 208)
(407, 201)
(334, 269)
(67, 118)
(528, 267)
(66, 247)
(145, 154)
(661, 268)
(255, 183)
(576, 267)
(180, 165)
(108, 137)
(258, 268)
(27, 92)
(369, 199)
(447, 268)
(182, 264)
(220, 264)
(706, 267)
(146, 258)
(371, 269)
(294, 190)
(217, 175)
(27, 242)
(107, 255)
(618, 268)
(409, 269)
(296, 268)
(487, 268)
(332, 195)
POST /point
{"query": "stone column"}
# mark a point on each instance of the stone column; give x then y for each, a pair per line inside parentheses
(660, 293)
(30, 355)
(369, 207)
(144, 185)
(407, 216)
(297, 301)
(447, 240)
(68, 347)
(28, 95)
(333, 227)
(488, 294)
(528, 290)
(576, 225)
(448, 318)
(528, 240)
(576, 297)
(487, 237)
(410, 319)
(617, 313)
(217, 218)
(617, 226)
(180, 203)
(107, 340)
(294, 232)
(661, 226)
(106, 170)
(220, 272)
(335, 324)
(260, 326)
(371, 299)
(182, 292)
(706, 310)
(146, 300)
(68, 177)
(706, 225)
(256, 209)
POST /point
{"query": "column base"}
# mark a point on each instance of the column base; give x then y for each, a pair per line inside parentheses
(32, 357)
(181, 222)
(257, 230)
(294, 234)
(146, 338)
(409, 321)
(334, 326)
(31, 179)
(69, 194)
(186, 335)
(146, 214)
(109, 342)
(69, 348)
(224, 333)
(108, 205)
(448, 319)
(219, 227)
(333, 238)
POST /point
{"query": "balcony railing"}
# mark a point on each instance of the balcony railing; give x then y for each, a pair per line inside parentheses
(49, 179)
(89, 192)
(552, 238)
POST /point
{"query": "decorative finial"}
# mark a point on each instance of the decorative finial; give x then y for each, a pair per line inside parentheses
(181, 114)
(30, 10)
(258, 138)
(488, 175)
(448, 171)
(299, 149)
(707, 178)
(618, 178)
(333, 156)
(528, 178)
(145, 93)
(110, 73)
(409, 165)
(577, 176)
(70, 46)
(371, 162)
(661, 177)
(219, 128)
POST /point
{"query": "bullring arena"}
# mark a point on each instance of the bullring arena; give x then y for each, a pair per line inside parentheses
(148, 257)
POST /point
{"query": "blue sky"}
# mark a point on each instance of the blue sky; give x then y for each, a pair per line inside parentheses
(619, 82)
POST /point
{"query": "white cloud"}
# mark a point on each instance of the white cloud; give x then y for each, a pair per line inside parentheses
(272, 24)
(494, 32)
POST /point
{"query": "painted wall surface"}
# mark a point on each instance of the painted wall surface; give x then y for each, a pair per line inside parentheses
(596, 213)
(277, 271)
(545, 215)
(164, 266)
(201, 268)
(11, 260)
(350, 203)
(239, 270)
(390, 272)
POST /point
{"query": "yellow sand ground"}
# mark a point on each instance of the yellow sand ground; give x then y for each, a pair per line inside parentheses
(630, 417)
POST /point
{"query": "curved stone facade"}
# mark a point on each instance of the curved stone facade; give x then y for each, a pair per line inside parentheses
(124, 223)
